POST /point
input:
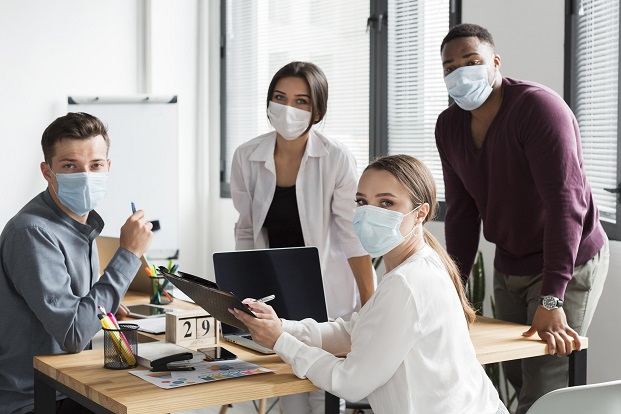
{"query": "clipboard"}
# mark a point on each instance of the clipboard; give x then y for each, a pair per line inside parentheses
(207, 295)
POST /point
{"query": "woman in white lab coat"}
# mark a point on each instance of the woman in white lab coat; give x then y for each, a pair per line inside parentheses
(296, 187)
(408, 349)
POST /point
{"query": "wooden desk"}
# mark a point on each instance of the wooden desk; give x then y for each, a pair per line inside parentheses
(83, 378)
(497, 341)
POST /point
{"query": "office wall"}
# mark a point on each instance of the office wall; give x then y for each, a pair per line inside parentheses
(50, 50)
(70, 47)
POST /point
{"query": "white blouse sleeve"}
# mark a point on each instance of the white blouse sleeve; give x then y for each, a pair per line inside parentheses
(242, 200)
(381, 337)
(333, 337)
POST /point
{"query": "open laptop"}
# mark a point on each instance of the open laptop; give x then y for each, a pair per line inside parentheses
(107, 247)
(293, 275)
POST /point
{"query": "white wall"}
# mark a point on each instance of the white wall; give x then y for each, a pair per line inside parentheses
(71, 47)
(51, 50)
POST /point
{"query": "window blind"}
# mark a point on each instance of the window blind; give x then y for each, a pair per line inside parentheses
(595, 97)
(264, 35)
(416, 90)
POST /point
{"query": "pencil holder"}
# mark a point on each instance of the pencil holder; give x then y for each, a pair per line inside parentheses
(121, 346)
(159, 294)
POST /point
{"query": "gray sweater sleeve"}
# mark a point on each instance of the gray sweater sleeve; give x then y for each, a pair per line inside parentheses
(53, 276)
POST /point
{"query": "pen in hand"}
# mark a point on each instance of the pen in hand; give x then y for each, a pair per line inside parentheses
(133, 207)
(267, 298)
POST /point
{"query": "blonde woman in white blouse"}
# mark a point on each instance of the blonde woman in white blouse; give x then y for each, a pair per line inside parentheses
(408, 349)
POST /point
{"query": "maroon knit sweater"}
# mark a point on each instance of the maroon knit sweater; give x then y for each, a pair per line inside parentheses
(527, 184)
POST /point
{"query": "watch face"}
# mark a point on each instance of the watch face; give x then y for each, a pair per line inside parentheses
(549, 302)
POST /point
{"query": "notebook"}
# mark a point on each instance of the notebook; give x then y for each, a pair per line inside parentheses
(293, 275)
(107, 247)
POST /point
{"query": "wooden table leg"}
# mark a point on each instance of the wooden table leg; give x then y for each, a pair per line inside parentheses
(262, 406)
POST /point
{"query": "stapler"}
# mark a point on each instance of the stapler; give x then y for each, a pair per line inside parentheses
(173, 363)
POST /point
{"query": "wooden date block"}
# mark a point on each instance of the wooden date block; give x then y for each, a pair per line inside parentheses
(192, 329)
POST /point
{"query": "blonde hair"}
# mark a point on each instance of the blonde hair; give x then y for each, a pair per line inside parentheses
(418, 180)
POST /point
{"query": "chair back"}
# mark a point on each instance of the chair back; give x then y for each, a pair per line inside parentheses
(602, 398)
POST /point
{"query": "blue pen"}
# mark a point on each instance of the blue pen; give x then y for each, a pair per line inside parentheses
(133, 207)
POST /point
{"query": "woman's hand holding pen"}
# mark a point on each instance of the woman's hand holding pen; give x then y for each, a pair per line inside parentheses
(136, 234)
(266, 328)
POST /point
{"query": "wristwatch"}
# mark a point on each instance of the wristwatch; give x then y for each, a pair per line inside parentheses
(551, 302)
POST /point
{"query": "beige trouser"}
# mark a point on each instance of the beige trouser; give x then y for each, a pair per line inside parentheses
(516, 299)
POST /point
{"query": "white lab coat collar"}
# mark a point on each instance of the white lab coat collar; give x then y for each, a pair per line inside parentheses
(315, 147)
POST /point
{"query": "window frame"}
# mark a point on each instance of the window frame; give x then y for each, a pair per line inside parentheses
(613, 230)
(378, 106)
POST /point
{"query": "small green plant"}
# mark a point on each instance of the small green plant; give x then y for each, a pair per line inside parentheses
(476, 285)
(476, 295)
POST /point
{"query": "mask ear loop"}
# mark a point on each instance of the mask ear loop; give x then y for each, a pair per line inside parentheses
(51, 184)
(415, 226)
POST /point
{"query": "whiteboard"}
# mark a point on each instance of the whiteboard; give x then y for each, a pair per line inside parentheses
(143, 133)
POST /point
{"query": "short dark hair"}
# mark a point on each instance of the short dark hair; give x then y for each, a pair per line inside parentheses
(317, 83)
(74, 125)
(468, 30)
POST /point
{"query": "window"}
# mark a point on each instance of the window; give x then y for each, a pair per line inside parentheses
(416, 90)
(593, 62)
(264, 35)
(386, 83)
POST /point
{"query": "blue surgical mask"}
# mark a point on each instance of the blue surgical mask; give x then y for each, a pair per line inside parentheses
(378, 229)
(469, 86)
(81, 192)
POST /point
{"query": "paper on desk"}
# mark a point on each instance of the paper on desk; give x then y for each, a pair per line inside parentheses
(151, 325)
(204, 372)
(178, 294)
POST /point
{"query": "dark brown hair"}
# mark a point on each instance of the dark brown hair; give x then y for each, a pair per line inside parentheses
(418, 180)
(74, 125)
(468, 30)
(317, 83)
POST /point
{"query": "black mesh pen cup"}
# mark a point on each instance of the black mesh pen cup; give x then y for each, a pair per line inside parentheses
(121, 346)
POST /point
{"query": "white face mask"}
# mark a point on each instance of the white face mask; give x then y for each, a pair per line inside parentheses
(469, 86)
(379, 229)
(81, 192)
(288, 121)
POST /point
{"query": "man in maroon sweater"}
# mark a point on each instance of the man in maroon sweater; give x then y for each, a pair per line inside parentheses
(511, 158)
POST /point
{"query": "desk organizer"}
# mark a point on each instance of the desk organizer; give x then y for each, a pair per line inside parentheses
(121, 346)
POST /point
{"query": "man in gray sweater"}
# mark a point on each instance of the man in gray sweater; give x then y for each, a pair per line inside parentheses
(49, 273)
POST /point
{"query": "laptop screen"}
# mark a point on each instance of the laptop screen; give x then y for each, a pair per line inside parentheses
(293, 275)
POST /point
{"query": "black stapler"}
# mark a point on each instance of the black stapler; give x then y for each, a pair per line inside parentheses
(173, 363)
